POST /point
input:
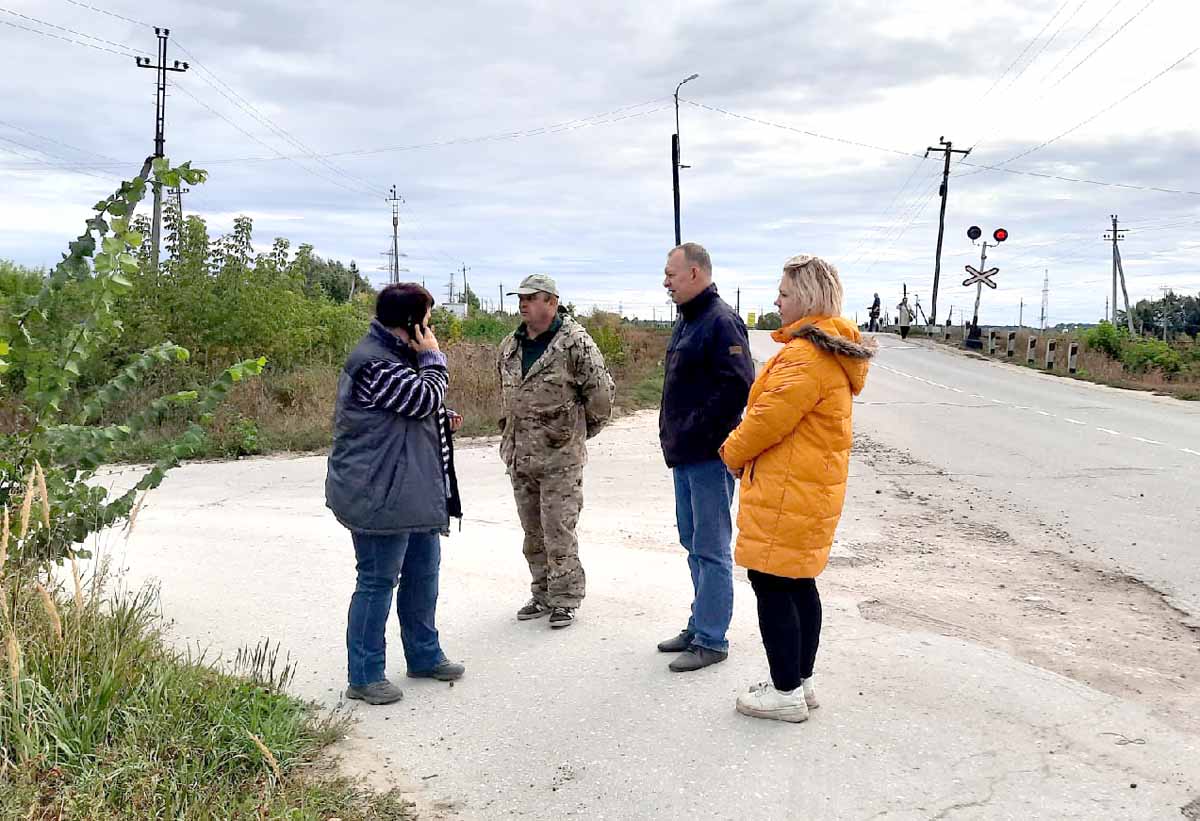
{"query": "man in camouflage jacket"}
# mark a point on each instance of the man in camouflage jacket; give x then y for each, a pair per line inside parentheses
(557, 393)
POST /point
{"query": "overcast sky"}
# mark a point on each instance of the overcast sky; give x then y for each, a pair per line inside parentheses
(321, 106)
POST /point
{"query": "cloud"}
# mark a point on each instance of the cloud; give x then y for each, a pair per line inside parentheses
(592, 203)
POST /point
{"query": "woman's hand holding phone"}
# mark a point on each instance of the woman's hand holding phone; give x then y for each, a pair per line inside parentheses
(423, 340)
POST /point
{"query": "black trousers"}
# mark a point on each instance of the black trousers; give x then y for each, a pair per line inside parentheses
(789, 618)
(904, 331)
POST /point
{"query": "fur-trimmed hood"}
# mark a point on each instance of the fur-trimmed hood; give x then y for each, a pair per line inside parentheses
(837, 336)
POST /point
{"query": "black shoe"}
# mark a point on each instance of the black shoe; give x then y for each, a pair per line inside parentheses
(377, 692)
(676, 644)
(533, 610)
(562, 617)
(696, 658)
(445, 671)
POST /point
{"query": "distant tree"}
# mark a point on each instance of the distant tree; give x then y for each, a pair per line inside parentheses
(769, 322)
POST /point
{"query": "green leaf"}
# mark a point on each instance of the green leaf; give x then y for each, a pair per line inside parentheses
(120, 225)
(72, 367)
(3, 348)
(113, 245)
(104, 264)
(119, 279)
(129, 263)
(118, 208)
(134, 238)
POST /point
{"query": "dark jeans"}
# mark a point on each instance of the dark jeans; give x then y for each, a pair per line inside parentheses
(410, 561)
(703, 495)
(904, 331)
(789, 618)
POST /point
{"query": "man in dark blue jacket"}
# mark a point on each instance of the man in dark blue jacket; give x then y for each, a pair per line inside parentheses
(708, 376)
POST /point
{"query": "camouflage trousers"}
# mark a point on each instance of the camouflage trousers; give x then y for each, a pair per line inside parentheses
(549, 506)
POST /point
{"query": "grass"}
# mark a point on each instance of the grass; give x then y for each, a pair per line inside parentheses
(105, 720)
(292, 411)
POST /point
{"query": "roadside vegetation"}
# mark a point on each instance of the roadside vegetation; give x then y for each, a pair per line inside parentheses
(100, 716)
(1110, 355)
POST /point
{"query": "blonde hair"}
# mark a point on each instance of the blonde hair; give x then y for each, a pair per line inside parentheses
(818, 289)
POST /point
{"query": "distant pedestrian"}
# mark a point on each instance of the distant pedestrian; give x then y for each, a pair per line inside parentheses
(905, 317)
(708, 375)
(391, 482)
(792, 452)
(875, 308)
(557, 393)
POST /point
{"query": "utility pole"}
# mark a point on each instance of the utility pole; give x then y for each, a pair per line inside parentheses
(676, 160)
(738, 309)
(1115, 236)
(1021, 316)
(395, 199)
(946, 147)
(1046, 298)
(501, 297)
(160, 119)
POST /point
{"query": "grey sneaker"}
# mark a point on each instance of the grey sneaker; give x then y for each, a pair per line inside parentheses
(533, 610)
(377, 692)
(676, 644)
(696, 658)
(446, 670)
(562, 617)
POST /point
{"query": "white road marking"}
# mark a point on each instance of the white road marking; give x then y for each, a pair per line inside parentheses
(1073, 421)
(1044, 413)
(1110, 432)
(997, 401)
(1189, 450)
(1149, 441)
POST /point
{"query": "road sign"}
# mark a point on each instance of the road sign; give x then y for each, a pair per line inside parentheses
(981, 277)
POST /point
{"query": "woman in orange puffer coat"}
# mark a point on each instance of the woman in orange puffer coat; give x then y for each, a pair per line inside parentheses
(792, 453)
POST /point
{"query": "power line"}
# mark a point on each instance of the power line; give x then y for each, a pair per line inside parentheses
(1024, 51)
(214, 112)
(1104, 16)
(1099, 113)
(1104, 43)
(99, 10)
(976, 165)
(34, 134)
(41, 161)
(130, 51)
(246, 106)
(65, 39)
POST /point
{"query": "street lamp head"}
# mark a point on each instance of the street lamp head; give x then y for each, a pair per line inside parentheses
(693, 77)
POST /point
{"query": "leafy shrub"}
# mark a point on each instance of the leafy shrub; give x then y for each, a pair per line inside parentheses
(1107, 339)
(1142, 355)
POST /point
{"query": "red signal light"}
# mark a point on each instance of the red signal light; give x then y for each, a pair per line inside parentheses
(1000, 234)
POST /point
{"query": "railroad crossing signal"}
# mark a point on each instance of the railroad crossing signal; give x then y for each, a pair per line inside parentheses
(980, 277)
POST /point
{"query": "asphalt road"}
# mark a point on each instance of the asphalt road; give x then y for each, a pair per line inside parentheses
(1117, 471)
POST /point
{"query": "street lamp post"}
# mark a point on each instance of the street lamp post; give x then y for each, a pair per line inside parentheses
(675, 157)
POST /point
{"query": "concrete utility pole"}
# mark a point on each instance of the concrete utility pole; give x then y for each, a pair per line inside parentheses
(160, 119)
(1045, 298)
(1115, 236)
(947, 148)
(738, 309)
(395, 199)
(501, 297)
(1021, 316)
(466, 290)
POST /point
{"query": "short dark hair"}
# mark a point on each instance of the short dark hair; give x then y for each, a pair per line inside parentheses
(402, 304)
(694, 254)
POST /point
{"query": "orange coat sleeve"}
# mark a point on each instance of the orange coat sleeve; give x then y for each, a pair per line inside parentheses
(791, 388)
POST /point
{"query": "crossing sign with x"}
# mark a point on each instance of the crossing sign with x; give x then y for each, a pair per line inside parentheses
(981, 277)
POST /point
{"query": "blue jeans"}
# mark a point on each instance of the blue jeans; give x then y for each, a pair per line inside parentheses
(703, 496)
(411, 561)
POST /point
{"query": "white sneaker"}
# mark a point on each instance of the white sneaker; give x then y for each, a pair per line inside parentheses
(764, 701)
(810, 695)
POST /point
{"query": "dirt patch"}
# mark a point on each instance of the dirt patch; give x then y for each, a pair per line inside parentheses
(1191, 811)
(984, 571)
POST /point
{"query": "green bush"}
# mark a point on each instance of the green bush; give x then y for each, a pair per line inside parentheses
(1107, 339)
(1142, 355)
